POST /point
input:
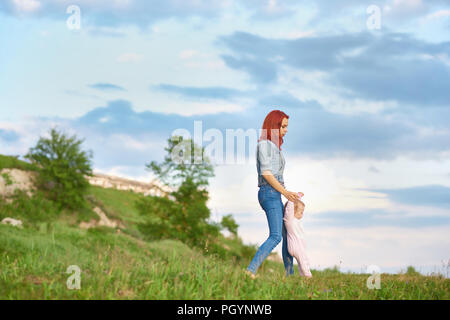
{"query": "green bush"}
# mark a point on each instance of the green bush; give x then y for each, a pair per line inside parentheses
(229, 224)
(410, 270)
(62, 169)
(334, 270)
(160, 214)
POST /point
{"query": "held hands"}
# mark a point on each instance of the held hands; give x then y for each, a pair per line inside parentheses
(293, 196)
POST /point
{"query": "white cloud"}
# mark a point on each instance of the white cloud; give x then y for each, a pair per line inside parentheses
(435, 17)
(407, 3)
(409, 10)
(29, 130)
(405, 6)
(234, 189)
(314, 84)
(273, 7)
(26, 6)
(438, 14)
(124, 141)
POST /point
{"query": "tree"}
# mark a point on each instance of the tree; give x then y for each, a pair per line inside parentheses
(186, 170)
(185, 160)
(62, 169)
(230, 224)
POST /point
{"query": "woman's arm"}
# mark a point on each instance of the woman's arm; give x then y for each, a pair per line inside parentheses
(273, 181)
(265, 154)
(291, 196)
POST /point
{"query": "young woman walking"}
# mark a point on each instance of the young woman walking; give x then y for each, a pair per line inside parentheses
(270, 166)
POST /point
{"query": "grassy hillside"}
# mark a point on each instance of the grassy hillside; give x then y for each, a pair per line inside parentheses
(120, 264)
(14, 162)
(33, 265)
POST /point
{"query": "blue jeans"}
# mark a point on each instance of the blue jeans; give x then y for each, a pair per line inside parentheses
(270, 201)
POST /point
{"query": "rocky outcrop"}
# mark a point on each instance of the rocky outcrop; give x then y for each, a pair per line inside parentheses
(104, 221)
(12, 179)
(13, 222)
(154, 188)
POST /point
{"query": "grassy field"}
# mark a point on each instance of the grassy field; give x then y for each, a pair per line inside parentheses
(33, 265)
(121, 265)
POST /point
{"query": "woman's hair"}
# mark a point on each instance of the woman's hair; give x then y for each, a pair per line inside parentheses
(272, 124)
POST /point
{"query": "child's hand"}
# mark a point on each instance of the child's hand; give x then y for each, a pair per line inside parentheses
(291, 196)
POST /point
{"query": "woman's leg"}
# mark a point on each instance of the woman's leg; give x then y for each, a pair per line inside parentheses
(275, 219)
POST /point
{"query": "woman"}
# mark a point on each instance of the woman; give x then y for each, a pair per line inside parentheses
(270, 166)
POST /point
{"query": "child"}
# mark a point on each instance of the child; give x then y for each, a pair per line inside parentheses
(293, 212)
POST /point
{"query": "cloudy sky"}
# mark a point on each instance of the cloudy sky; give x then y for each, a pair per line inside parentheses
(366, 85)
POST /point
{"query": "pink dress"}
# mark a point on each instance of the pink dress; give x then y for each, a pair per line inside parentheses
(295, 240)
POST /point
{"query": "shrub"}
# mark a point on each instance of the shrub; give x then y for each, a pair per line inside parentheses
(62, 169)
(161, 215)
(411, 271)
(229, 224)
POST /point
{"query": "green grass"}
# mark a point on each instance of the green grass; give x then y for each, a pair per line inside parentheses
(118, 204)
(14, 162)
(113, 265)
(122, 265)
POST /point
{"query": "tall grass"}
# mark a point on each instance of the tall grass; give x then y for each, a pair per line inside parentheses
(113, 265)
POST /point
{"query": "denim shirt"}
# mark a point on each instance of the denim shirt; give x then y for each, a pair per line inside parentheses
(269, 157)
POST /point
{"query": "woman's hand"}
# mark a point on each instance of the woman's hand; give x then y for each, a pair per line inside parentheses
(291, 196)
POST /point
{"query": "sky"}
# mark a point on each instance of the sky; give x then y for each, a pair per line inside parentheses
(366, 85)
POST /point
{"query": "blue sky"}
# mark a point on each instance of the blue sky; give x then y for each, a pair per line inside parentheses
(369, 133)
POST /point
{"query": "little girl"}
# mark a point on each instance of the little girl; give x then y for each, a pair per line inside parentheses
(293, 212)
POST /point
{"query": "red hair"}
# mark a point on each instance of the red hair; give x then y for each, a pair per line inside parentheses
(272, 124)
